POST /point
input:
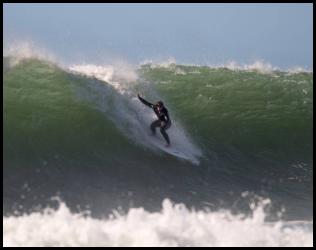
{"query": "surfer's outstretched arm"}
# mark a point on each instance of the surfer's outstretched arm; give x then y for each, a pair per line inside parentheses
(145, 102)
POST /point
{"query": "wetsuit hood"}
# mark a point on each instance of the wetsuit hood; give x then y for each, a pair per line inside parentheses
(160, 104)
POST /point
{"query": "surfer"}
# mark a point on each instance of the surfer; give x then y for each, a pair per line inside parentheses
(163, 121)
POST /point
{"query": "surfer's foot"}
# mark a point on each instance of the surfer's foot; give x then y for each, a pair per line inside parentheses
(167, 145)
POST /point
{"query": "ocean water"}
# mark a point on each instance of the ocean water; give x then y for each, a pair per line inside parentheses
(77, 132)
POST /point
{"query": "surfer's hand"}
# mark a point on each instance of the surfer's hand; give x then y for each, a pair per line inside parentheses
(162, 124)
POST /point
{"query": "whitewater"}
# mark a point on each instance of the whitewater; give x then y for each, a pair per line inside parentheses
(174, 226)
(77, 132)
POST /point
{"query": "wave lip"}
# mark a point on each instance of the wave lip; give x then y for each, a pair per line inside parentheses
(17, 51)
(259, 66)
(121, 76)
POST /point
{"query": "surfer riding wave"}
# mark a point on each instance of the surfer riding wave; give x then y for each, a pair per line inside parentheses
(163, 121)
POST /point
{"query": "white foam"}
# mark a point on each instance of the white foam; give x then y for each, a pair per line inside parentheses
(160, 63)
(259, 66)
(298, 70)
(174, 225)
(120, 76)
(179, 72)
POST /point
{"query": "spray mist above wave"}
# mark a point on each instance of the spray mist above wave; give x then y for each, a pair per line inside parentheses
(27, 49)
(17, 51)
(174, 225)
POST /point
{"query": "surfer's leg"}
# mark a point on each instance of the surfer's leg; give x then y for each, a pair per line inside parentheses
(164, 133)
(154, 125)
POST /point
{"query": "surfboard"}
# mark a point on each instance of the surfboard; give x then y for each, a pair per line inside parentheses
(159, 143)
(173, 151)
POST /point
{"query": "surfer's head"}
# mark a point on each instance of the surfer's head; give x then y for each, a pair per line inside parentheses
(159, 104)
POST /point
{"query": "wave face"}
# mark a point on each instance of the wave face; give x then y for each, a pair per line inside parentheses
(78, 132)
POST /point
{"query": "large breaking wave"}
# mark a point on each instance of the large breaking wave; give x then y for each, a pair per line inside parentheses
(78, 132)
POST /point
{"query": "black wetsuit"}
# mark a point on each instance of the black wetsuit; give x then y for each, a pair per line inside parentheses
(163, 116)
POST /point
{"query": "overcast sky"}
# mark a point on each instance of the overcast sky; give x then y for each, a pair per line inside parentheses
(280, 34)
